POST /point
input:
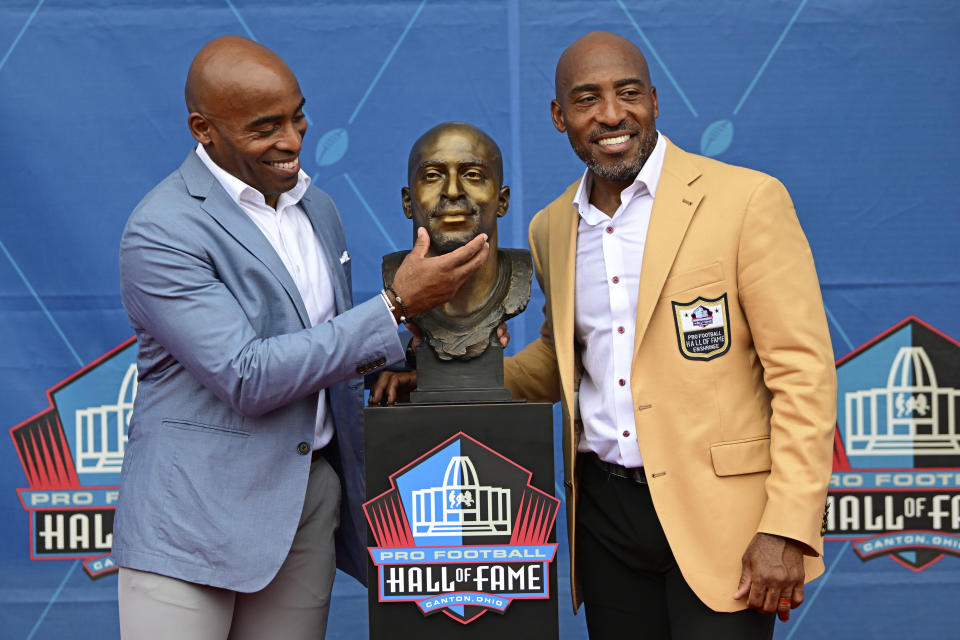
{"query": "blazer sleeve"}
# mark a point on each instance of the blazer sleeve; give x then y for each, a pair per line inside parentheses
(533, 373)
(172, 293)
(780, 296)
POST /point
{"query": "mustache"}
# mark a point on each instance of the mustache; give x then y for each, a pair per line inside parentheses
(446, 207)
(620, 127)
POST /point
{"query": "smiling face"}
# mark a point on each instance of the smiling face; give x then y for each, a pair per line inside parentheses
(249, 118)
(606, 105)
(455, 172)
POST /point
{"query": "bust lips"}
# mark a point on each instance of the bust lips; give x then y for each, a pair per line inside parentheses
(454, 216)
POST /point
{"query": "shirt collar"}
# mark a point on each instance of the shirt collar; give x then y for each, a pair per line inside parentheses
(239, 191)
(646, 181)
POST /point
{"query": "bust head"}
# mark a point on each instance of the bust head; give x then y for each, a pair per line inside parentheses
(456, 192)
(455, 176)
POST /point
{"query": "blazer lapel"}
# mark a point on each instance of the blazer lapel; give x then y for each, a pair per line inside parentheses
(322, 220)
(673, 208)
(201, 184)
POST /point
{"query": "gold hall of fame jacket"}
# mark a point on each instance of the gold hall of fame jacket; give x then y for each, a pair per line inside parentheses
(733, 377)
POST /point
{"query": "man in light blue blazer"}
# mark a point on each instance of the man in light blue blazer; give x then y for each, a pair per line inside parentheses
(236, 277)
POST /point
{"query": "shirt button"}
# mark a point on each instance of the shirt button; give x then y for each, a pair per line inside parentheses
(626, 434)
(620, 329)
(610, 229)
(303, 448)
(615, 279)
(622, 382)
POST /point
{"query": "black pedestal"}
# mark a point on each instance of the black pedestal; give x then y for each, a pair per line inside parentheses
(477, 380)
(461, 510)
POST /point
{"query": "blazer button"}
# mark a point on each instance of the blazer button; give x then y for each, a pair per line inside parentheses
(303, 448)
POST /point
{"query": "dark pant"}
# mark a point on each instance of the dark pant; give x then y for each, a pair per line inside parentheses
(632, 587)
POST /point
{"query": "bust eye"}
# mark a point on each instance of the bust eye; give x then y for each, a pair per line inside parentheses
(473, 174)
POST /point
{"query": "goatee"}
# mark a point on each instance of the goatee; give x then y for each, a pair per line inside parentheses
(622, 169)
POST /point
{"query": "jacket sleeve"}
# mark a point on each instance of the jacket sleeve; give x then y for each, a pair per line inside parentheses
(533, 373)
(172, 293)
(781, 298)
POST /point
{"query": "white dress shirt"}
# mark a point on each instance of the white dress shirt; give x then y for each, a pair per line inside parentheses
(609, 257)
(291, 235)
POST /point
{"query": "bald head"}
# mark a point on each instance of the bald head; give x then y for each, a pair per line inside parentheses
(227, 66)
(607, 106)
(246, 109)
(483, 143)
(594, 46)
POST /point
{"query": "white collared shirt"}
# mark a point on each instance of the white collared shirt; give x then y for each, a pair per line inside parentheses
(291, 235)
(609, 257)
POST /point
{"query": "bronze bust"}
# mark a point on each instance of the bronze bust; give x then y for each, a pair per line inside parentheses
(455, 175)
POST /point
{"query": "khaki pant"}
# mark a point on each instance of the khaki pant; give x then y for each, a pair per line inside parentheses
(293, 606)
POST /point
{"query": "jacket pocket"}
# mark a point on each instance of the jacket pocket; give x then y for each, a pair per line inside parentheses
(189, 425)
(738, 457)
(693, 279)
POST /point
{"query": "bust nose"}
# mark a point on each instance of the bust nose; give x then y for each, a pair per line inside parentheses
(452, 190)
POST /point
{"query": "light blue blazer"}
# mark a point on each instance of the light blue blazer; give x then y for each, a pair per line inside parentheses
(216, 466)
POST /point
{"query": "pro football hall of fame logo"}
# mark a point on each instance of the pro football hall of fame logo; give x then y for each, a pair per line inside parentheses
(71, 454)
(895, 490)
(462, 531)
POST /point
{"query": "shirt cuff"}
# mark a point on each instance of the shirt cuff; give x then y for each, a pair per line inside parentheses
(390, 308)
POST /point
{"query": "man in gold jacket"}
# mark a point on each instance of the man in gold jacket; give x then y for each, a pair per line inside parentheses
(685, 335)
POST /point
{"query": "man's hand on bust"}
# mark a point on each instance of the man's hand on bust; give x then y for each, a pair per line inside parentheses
(422, 283)
(772, 575)
(392, 387)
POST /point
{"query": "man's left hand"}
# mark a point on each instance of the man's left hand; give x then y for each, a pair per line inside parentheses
(772, 575)
(392, 387)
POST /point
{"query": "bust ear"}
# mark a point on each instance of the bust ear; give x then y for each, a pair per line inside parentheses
(406, 202)
(503, 202)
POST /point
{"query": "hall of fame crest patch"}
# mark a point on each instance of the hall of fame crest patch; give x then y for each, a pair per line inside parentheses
(462, 531)
(703, 327)
(71, 455)
(895, 489)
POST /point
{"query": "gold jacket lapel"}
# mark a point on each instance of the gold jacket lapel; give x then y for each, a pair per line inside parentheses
(673, 208)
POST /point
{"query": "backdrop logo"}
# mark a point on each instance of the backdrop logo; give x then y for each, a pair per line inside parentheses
(71, 454)
(895, 489)
(462, 531)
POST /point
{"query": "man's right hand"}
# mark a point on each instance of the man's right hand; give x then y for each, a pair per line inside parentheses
(395, 386)
(423, 283)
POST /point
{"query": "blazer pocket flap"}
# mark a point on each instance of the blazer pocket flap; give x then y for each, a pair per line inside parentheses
(741, 456)
(707, 274)
(190, 425)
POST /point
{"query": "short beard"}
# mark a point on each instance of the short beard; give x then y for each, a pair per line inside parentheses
(448, 245)
(622, 170)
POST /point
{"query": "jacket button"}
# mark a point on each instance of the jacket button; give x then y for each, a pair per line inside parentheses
(303, 448)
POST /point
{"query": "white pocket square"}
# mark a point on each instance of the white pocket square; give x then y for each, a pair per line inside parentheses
(345, 258)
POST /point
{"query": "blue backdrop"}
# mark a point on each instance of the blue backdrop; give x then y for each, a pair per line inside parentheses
(851, 103)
